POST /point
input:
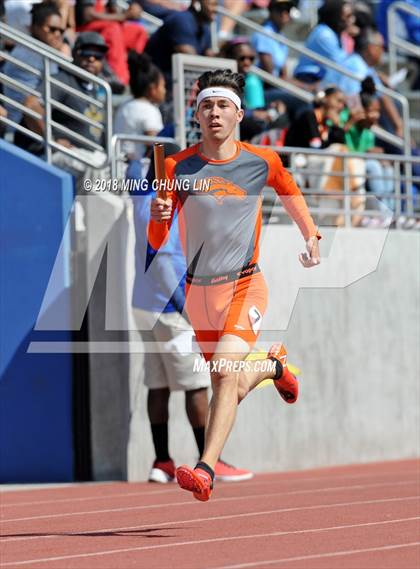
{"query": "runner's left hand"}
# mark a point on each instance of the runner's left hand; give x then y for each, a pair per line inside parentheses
(312, 257)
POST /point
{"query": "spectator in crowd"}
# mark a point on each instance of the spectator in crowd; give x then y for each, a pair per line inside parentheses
(18, 13)
(258, 117)
(410, 25)
(272, 54)
(141, 114)
(89, 52)
(46, 27)
(367, 56)
(360, 138)
(320, 128)
(120, 34)
(334, 17)
(158, 303)
(183, 32)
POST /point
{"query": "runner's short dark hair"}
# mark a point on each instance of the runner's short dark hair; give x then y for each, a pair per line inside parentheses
(222, 78)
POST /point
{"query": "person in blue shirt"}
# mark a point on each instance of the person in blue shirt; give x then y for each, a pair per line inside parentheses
(158, 303)
(46, 27)
(182, 32)
(368, 51)
(271, 53)
(334, 17)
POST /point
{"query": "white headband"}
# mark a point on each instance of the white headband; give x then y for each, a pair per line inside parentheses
(219, 92)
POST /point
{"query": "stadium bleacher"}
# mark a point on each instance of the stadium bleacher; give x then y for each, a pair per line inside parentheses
(177, 108)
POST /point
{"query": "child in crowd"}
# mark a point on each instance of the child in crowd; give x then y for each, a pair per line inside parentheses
(141, 114)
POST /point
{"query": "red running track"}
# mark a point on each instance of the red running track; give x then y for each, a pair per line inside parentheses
(360, 516)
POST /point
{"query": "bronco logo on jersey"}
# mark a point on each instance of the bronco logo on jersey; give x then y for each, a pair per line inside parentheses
(220, 189)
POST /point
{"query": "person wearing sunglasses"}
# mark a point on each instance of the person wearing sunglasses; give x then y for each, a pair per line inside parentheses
(46, 27)
(89, 52)
(258, 117)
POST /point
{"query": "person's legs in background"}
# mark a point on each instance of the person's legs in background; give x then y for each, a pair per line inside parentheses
(376, 173)
(196, 405)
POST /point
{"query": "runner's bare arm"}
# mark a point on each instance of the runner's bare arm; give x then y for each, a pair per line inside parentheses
(162, 212)
(295, 205)
(291, 196)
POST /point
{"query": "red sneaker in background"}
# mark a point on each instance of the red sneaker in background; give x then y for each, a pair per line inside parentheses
(225, 472)
(162, 472)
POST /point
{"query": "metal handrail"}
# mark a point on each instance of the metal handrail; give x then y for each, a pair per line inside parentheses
(144, 16)
(394, 42)
(347, 193)
(117, 139)
(49, 56)
(325, 152)
(283, 84)
(7, 57)
(27, 38)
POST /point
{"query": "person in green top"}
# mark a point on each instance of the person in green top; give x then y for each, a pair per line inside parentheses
(360, 138)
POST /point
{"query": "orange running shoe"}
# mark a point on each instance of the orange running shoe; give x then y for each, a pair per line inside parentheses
(287, 384)
(195, 480)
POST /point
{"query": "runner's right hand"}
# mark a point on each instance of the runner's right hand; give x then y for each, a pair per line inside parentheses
(161, 210)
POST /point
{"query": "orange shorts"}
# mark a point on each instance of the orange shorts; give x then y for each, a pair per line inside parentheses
(235, 307)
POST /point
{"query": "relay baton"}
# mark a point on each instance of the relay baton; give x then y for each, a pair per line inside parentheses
(159, 159)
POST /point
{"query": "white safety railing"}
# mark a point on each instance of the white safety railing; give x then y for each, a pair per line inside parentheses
(149, 18)
(47, 80)
(118, 157)
(340, 201)
(310, 175)
(394, 42)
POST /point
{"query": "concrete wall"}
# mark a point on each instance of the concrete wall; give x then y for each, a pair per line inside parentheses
(353, 331)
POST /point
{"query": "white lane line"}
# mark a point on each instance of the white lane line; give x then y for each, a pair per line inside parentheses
(196, 542)
(170, 523)
(255, 482)
(320, 555)
(171, 504)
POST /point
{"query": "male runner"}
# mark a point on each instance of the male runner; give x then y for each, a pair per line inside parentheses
(220, 221)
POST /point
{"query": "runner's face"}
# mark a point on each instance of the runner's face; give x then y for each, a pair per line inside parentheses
(218, 118)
